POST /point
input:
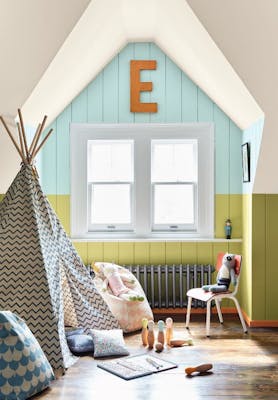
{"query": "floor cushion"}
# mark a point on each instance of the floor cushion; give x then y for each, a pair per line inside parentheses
(24, 369)
(128, 313)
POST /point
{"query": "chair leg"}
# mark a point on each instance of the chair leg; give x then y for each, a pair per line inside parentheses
(208, 319)
(188, 312)
(240, 315)
(220, 316)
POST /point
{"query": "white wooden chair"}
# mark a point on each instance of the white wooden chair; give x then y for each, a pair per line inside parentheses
(200, 294)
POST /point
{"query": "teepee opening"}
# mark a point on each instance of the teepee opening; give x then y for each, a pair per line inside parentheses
(42, 278)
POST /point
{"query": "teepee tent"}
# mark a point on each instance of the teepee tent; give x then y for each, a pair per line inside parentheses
(42, 278)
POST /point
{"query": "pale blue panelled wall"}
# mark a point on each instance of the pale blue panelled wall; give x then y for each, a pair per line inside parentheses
(106, 99)
(253, 136)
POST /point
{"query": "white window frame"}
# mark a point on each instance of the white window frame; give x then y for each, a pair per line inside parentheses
(142, 134)
(112, 227)
(177, 227)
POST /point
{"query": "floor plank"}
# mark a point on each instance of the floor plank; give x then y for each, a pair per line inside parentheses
(244, 367)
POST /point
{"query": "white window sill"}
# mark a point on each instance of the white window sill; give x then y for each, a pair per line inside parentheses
(180, 238)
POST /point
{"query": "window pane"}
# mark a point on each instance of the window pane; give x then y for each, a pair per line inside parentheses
(173, 204)
(110, 204)
(174, 162)
(110, 161)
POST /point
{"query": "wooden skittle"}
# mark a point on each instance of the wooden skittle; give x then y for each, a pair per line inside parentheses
(180, 342)
(199, 368)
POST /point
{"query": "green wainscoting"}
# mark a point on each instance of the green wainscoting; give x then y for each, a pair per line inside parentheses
(154, 252)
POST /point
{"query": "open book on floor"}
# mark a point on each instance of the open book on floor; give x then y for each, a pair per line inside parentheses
(136, 366)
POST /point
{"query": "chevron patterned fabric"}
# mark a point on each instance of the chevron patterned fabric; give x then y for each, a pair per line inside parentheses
(42, 278)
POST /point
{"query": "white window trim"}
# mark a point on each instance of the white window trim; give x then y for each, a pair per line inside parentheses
(81, 133)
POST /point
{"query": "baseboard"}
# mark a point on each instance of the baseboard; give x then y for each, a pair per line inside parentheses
(257, 323)
(225, 310)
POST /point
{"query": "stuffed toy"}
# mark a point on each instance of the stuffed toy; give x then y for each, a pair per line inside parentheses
(116, 278)
(225, 276)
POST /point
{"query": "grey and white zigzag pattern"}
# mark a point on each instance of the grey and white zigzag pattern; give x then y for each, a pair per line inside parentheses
(34, 250)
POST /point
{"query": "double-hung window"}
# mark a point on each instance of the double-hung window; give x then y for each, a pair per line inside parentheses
(110, 185)
(142, 181)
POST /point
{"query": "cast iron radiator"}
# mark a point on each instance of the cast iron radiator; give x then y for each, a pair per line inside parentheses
(166, 285)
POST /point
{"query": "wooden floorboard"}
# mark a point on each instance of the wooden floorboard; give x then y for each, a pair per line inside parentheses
(244, 367)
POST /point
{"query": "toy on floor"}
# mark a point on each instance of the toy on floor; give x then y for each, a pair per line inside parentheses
(169, 330)
(200, 368)
(159, 347)
(144, 333)
(225, 276)
(151, 334)
(161, 335)
(116, 282)
(181, 342)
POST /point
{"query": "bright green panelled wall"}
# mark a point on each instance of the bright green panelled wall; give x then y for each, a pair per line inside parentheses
(264, 256)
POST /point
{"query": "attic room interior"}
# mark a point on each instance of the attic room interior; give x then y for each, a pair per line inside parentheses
(138, 199)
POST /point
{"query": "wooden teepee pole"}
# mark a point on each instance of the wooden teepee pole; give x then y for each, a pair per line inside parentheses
(35, 152)
(23, 134)
(12, 138)
(20, 139)
(36, 139)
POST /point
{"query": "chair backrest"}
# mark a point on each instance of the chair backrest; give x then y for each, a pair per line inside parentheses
(237, 268)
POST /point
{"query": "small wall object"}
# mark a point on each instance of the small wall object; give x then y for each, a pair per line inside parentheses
(136, 86)
(228, 228)
(245, 153)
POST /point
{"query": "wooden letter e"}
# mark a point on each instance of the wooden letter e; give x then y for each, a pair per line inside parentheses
(136, 86)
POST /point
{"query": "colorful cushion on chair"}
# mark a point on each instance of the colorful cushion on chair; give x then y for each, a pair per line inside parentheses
(24, 369)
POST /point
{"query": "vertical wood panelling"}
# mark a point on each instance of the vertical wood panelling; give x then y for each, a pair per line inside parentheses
(49, 162)
(246, 272)
(63, 150)
(141, 253)
(126, 253)
(173, 92)
(221, 214)
(189, 100)
(157, 252)
(106, 99)
(205, 253)
(79, 107)
(111, 252)
(111, 91)
(63, 210)
(236, 215)
(95, 100)
(142, 52)
(235, 163)
(173, 252)
(189, 253)
(158, 79)
(52, 198)
(82, 250)
(125, 56)
(261, 255)
(95, 252)
(205, 107)
(271, 269)
(222, 156)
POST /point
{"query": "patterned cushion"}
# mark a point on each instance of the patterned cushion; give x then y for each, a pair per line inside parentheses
(109, 343)
(24, 369)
